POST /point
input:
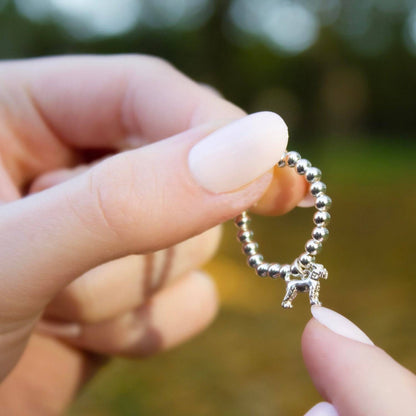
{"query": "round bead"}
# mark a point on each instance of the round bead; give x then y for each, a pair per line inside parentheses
(242, 221)
(317, 188)
(292, 158)
(320, 234)
(313, 175)
(255, 260)
(322, 218)
(274, 270)
(262, 269)
(305, 260)
(313, 247)
(249, 249)
(282, 161)
(323, 203)
(245, 236)
(302, 165)
(285, 271)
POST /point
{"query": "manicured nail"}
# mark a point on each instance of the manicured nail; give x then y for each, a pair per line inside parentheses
(59, 329)
(339, 324)
(238, 153)
(322, 409)
(307, 202)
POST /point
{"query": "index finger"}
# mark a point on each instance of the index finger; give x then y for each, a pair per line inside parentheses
(107, 101)
(118, 101)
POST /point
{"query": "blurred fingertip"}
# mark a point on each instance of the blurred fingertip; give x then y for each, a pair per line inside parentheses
(306, 202)
(285, 191)
(322, 409)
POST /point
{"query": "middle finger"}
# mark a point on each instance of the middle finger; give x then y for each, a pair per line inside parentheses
(124, 284)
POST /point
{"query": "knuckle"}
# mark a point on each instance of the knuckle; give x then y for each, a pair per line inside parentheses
(159, 62)
(148, 62)
(84, 306)
(164, 266)
(76, 303)
(156, 63)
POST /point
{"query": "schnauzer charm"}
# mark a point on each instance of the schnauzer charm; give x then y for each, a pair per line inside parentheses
(309, 282)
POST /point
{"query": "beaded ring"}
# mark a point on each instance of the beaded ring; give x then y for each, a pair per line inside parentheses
(303, 267)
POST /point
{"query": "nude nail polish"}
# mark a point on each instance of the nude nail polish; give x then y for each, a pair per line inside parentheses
(339, 324)
(322, 409)
(238, 153)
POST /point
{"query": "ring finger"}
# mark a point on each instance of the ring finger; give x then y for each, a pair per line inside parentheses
(168, 318)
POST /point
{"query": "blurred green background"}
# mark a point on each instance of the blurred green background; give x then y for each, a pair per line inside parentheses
(343, 76)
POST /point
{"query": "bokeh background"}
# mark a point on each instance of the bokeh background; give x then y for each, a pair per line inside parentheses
(343, 76)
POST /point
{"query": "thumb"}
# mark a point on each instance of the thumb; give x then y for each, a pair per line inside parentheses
(135, 202)
(358, 378)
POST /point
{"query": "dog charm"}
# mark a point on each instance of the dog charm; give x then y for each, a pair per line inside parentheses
(309, 282)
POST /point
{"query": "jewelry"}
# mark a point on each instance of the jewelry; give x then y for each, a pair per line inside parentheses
(304, 267)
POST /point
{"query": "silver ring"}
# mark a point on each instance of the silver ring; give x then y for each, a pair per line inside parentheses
(304, 268)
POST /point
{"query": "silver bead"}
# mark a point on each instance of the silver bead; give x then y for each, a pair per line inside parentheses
(323, 203)
(313, 247)
(305, 260)
(274, 270)
(317, 188)
(255, 260)
(313, 175)
(282, 161)
(249, 249)
(262, 269)
(285, 272)
(292, 158)
(245, 236)
(302, 165)
(320, 234)
(242, 220)
(322, 218)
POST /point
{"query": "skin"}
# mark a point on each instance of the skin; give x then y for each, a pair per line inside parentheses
(357, 378)
(65, 126)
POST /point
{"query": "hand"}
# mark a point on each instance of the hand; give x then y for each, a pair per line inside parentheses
(70, 250)
(355, 376)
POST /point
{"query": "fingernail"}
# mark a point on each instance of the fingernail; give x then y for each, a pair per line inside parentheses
(238, 153)
(59, 329)
(307, 202)
(322, 409)
(339, 324)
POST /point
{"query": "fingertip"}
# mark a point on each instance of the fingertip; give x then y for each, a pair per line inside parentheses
(286, 190)
(238, 153)
(307, 202)
(339, 324)
(322, 409)
(349, 371)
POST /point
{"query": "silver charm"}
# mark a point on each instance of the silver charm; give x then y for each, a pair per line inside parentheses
(304, 268)
(308, 283)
